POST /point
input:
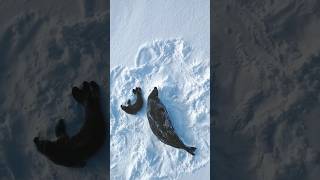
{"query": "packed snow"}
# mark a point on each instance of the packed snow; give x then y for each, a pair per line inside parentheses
(183, 81)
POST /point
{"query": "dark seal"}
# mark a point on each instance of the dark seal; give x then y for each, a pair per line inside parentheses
(74, 151)
(134, 108)
(161, 125)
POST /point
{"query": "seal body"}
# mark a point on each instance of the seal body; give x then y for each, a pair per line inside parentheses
(74, 151)
(134, 108)
(160, 123)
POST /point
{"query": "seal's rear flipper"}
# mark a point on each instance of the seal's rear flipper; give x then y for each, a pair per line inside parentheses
(190, 150)
(60, 129)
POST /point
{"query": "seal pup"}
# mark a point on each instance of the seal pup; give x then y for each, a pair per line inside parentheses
(134, 108)
(74, 151)
(160, 123)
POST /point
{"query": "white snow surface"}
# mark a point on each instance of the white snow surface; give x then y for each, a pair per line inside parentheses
(165, 44)
(184, 88)
(135, 22)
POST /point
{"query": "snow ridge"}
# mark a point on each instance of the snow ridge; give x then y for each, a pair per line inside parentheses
(184, 88)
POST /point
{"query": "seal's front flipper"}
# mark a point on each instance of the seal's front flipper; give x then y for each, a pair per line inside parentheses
(190, 150)
(61, 129)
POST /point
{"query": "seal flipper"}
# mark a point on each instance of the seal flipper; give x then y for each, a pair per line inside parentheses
(190, 150)
(60, 129)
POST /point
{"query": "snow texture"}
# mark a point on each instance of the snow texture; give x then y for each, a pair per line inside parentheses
(41, 60)
(184, 88)
(266, 90)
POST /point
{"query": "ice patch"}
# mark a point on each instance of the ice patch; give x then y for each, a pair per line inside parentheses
(184, 88)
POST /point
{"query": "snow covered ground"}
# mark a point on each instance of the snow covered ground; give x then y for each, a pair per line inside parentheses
(45, 50)
(163, 44)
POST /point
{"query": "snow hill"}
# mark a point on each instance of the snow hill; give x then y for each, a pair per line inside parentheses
(183, 81)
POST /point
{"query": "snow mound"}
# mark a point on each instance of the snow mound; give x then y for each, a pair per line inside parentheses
(184, 88)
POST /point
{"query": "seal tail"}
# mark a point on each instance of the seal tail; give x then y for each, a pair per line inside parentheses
(190, 150)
